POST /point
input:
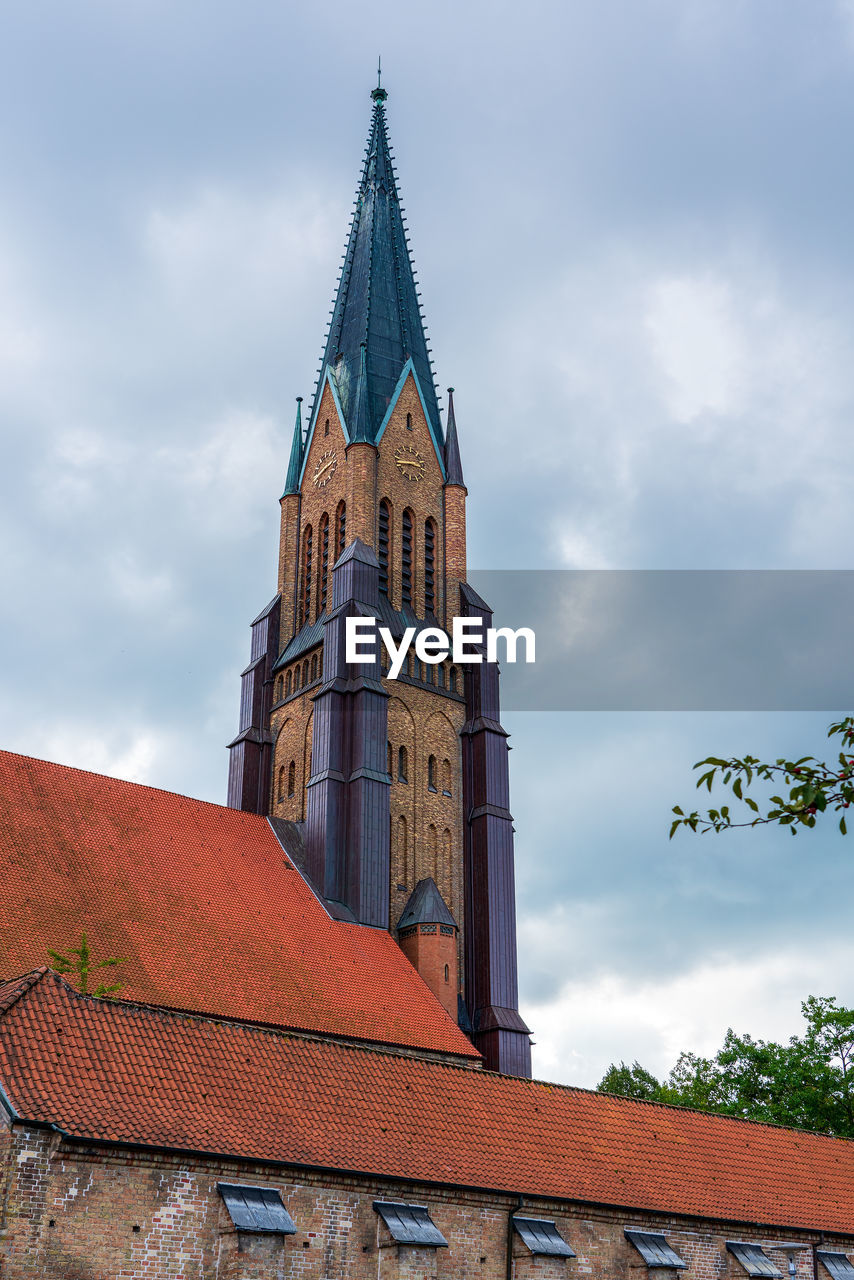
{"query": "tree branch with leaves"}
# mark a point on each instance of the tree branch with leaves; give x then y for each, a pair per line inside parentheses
(809, 788)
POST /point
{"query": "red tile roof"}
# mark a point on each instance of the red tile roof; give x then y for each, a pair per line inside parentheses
(106, 1070)
(203, 903)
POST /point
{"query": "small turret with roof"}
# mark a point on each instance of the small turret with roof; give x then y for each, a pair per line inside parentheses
(427, 933)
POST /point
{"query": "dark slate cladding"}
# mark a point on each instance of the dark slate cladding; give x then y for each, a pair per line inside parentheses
(347, 809)
(838, 1264)
(752, 1257)
(256, 1209)
(251, 752)
(377, 313)
(655, 1250)
(410, 1224)
(542, 1237)
(492, 989)
(309, 637)
(426, 906)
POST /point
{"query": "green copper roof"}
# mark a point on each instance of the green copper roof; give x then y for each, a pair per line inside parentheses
(295, 463)
(377, 303)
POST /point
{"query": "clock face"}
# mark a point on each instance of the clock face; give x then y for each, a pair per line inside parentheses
(409, 462)
(325, 469)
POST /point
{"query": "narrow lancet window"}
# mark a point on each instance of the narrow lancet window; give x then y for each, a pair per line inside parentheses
(383, 545)
(406, 560)
(429, 567)
(323, 583)
(340, 529)
(306, 575)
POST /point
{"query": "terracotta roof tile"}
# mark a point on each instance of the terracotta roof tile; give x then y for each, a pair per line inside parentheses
(129, 1073)
(202, 901)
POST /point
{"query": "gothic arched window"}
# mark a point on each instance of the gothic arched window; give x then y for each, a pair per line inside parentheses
(452, 680)
(402, 765)
(429, 567)
(305, 610)
(280, 795)
(340, 529)
(431, 774)
(323, 568)
(314, 666)
(406, 559)
(383, 538)
(292, 778)
(280, 688)
(288, 679)
(409, 422)
(446, 777)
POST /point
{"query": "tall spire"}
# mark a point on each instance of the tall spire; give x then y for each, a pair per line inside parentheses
(377, 302)
(453, 462)
(295, 463)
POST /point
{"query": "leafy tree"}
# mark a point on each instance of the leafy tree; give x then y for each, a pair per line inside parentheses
(81, 965)
(815, 787)
(808, 1083)
(632, 1082)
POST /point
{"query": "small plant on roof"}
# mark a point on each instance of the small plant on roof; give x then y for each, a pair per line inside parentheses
(80, 965)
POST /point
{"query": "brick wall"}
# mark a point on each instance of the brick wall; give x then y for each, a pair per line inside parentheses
(74, 1213)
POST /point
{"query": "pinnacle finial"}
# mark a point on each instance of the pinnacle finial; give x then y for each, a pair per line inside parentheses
(453, 465)
(379, 94)
(297, 453)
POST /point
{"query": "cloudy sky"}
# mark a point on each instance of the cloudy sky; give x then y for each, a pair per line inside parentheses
(632, 224)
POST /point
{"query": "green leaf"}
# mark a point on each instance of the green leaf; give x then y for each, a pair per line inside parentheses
(842, 826)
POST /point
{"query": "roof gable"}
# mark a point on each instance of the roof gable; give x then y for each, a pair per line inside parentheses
(203, 902)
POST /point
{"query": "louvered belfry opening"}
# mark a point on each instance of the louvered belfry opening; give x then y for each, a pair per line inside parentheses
(383, 545)
(429, 567)
(324, 564)
(406, 559)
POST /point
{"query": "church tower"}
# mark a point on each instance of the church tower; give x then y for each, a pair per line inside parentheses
(392, 795)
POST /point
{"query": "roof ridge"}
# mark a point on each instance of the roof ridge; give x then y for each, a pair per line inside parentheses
(386, 1051)
(126, 782)
(386, 1048)
(13, 989)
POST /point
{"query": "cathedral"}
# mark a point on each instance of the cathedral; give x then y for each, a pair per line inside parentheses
(316, 1066)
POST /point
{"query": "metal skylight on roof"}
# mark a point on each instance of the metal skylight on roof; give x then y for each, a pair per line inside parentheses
(256, 1209)
(654, 1249)
(542, 1236)
(838, 1264)
(410, 1223)
(753, 1258)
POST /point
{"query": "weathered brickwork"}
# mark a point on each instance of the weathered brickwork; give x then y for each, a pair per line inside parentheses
(432, 949)
(74, 1213)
